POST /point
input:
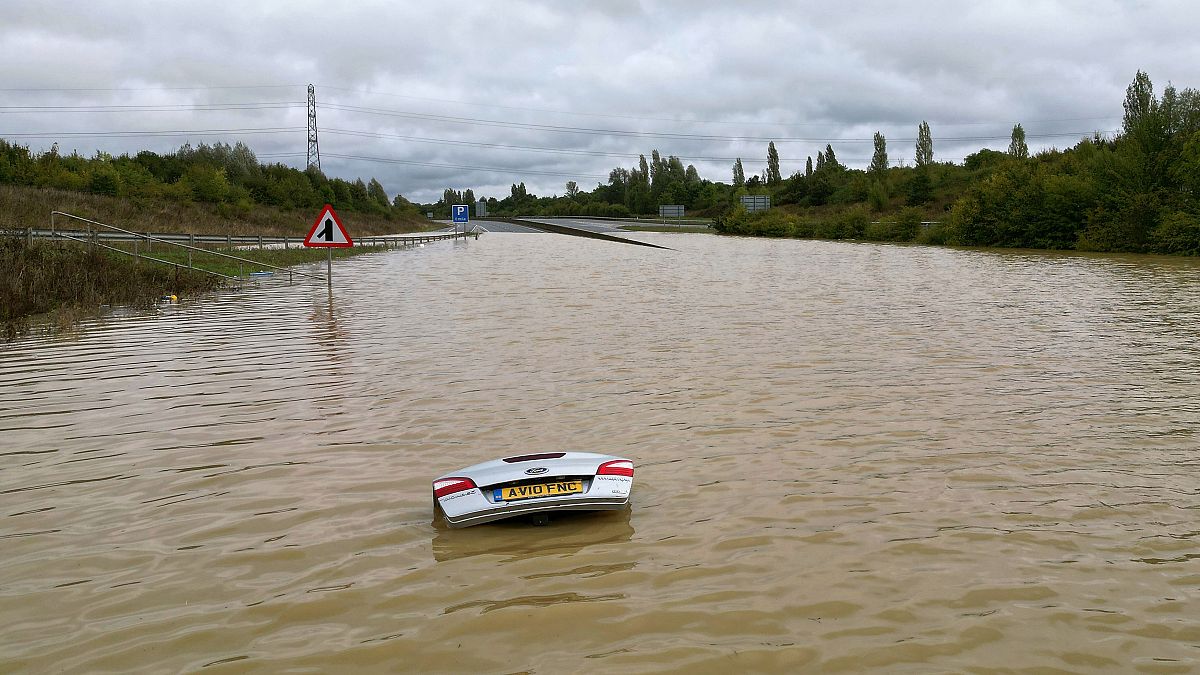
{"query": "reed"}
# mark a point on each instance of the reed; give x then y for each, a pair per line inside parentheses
(59, 283)
(271, 256)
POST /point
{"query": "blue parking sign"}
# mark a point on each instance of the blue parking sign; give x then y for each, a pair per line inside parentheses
(460, 212)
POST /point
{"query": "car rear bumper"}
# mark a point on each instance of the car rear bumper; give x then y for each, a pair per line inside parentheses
(514, 509)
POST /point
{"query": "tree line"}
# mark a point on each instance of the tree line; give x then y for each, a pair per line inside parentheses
(1138, 191)
(228, 176)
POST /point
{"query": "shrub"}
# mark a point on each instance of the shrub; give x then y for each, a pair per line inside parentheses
(878, 196)
(880, 230)
(1178, 233)
(908, 224)
(852, 223)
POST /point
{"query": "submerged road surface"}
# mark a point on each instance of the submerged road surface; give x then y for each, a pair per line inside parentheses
(849, 457)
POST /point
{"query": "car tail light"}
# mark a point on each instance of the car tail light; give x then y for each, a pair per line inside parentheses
(617, 467)
(534, 458)
(448, 486)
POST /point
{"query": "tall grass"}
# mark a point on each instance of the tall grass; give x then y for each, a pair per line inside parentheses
(276, 257)
(66, 281)
(22, 207)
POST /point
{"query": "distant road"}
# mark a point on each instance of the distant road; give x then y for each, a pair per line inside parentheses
(497, 226)
(577, 223)
(486, 225)
(580, 224)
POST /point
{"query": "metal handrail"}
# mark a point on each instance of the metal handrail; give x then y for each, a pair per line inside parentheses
(146, 257)
(187, 246)
(236, 241)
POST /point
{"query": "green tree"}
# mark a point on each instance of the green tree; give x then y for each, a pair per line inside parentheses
(1017, 147)
(879, 161)
(808, 167)
(402, 205)
(830, 158)
(1178, 233)
(924, 156)
(208, 184)
(105, 181)
(920, 188)
(376, 193)
(773, 174)
(1139, 102)
(739, 174)
(877, 196)
(617, 190)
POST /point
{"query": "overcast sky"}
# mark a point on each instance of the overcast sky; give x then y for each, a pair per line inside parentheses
(428, 90)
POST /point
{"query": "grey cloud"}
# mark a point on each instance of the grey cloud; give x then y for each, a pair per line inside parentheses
(830, 72)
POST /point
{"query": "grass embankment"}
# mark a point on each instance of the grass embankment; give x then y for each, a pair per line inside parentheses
(30, 207)
(59, 283)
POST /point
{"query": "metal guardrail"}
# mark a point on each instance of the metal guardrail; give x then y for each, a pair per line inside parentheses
(149, 238)
(146, 257)
(114, 234)
(229, 241)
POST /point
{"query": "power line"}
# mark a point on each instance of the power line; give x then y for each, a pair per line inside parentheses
(673, 120)
(193, 88)
(465, 167)
(500, 106)
(196, 107)
(534, 148)
(478, 144)
(665, 135)
(135, 134)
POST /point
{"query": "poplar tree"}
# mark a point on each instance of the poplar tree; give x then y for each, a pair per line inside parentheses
(830, 158)
(808, 169)
(773, 174)
(1139, 101)
(739, 174)
(1017, 147)
(924, 145)
(879, 161)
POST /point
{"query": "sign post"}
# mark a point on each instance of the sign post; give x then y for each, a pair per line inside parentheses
(460, 213)
(328, 233)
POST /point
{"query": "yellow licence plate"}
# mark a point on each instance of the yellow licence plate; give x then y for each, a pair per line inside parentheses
(567, 487)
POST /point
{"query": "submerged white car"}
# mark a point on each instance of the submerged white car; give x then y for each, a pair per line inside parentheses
(533, 485)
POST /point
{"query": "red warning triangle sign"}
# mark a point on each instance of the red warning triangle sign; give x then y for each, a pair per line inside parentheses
(328, 231)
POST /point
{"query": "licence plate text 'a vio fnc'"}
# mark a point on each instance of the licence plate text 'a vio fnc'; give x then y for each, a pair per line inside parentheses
(568, 487)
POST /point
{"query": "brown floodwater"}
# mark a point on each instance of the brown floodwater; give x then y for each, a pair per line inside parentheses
(849, 457)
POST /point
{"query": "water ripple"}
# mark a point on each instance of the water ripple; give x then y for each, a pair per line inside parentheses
(850, 457)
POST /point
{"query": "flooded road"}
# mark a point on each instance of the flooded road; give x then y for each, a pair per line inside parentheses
(849, 457)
